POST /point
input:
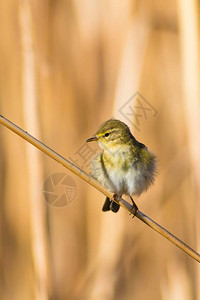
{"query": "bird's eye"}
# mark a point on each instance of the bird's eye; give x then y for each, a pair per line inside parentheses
(107, 134)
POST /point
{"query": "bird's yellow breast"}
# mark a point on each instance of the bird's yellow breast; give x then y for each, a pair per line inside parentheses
(117, 157)
(125, 172)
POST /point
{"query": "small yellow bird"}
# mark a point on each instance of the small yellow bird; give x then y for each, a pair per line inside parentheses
(125, 166)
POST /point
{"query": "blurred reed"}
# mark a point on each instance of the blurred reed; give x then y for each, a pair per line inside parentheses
(76, 64)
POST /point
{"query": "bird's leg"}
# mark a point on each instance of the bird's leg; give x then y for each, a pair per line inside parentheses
(134, 206)
(115, 196)
(114, 206)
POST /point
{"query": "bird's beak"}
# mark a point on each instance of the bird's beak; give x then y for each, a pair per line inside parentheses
(92, 139)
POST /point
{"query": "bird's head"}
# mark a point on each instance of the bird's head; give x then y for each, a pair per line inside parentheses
(112, 134)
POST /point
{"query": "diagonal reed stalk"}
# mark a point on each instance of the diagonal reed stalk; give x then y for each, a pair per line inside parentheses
(70, 166)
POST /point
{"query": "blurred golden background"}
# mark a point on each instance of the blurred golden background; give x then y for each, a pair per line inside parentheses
(67, 66)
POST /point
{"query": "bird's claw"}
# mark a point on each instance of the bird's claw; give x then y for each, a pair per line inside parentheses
(134, 208)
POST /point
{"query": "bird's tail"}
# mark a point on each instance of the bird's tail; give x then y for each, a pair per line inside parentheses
(110, 205)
